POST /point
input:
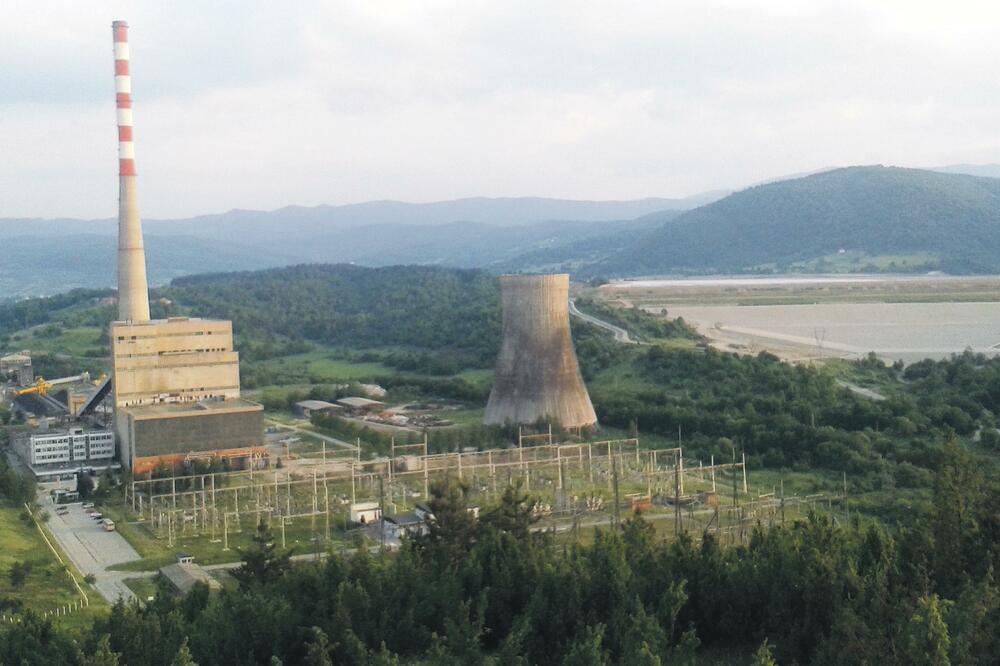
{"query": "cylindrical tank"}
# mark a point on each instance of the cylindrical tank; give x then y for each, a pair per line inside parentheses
(537, 375)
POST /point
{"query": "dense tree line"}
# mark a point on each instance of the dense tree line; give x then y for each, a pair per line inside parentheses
(405, 306)
(795, 416)
(78, 307)
(14, 488)
(492, 591)
(375, 441)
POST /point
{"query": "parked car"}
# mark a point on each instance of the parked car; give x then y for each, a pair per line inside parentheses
(87, 505)
(98, 516)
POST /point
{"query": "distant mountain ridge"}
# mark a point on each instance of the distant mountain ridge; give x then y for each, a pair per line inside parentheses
(305, 220)
(879, 211)
(982, 170)
(48, 256)
(840, 219)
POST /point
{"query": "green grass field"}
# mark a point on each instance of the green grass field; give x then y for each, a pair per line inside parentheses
(321, 367)
(71, 341)
(144, 588)
(48, 585)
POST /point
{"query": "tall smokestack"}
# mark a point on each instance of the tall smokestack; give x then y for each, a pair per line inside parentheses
(133, 291)
(537, 376)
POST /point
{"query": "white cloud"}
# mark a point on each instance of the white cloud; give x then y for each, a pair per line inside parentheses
(256, 104)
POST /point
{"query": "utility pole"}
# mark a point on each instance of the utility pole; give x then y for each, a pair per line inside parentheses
(326, 497)
(381, 510)
(782, 502)
(614, 481)
(736, 501)
(677, 498)
(847, 511)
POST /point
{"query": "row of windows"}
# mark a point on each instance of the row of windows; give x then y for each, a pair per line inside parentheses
(129, 338)
(65, 457)
(51, 458)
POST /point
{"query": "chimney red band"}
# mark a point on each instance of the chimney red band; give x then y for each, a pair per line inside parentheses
(126, 167)
(121, 67)
(121, 31)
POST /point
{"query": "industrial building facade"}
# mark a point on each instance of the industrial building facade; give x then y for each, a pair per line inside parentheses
(172, 432)
(18, 367)
(177, 392)
(77, 445)
(173, 360)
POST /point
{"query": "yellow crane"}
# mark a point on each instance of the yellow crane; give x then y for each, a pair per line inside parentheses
(43, 386)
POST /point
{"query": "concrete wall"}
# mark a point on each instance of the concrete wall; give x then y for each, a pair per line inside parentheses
(169, 361)
(170, 434)
(173, 360)
(537, 375)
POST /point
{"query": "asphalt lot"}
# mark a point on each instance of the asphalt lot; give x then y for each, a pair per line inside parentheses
(91, 548)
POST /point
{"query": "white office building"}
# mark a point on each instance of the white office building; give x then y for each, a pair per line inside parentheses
(75, 447)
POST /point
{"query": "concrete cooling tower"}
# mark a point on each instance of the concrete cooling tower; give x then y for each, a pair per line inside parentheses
(537, 376)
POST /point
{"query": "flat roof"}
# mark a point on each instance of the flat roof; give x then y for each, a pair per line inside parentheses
(166, 322)
(179, 409)
(17, 357)
(408, 518)
(359, 402)
(184, 576)
(315, 404)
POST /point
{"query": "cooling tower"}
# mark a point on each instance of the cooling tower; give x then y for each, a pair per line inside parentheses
(133, 291)
(537, 376)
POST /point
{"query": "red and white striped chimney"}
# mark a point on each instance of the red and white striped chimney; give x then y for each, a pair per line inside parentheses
(133, 290)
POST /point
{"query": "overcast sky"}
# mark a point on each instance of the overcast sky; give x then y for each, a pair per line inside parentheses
(245, 104)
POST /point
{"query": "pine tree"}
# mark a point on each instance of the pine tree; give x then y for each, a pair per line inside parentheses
(762, 657)
(102, 656)
(514, 513)
(587, 650)
(318, 648)
(927, 640)
(453, 529)
(263, 562)
(183, 656)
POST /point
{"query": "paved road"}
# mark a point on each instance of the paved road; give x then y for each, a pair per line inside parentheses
(621, 335)
(860, 390)
(91, 549)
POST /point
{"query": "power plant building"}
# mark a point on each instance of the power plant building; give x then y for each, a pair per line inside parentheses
(537, 375)
(18, 367)
(176, 382)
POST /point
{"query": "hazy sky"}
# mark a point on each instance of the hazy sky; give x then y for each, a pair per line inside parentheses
(245, 104)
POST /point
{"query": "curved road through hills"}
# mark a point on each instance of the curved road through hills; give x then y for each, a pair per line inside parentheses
(621, 335)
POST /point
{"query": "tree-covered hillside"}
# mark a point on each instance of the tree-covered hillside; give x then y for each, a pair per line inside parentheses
(875, 210)
(351, 306)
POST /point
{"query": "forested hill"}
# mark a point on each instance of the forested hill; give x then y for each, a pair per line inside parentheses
(410, 306)
(920, 219)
